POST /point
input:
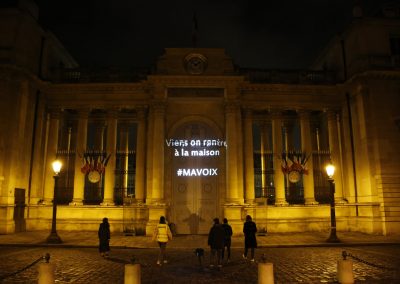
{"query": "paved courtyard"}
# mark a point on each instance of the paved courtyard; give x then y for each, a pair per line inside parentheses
(291, 265)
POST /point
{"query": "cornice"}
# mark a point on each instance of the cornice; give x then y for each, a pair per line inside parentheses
(376, 74)
(9, 72)
(98, 88)
(195, 80)
(289, 89)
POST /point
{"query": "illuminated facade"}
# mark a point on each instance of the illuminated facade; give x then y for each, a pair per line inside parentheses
(199, 138)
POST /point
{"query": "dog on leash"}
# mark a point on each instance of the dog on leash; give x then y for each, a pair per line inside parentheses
(200, 254)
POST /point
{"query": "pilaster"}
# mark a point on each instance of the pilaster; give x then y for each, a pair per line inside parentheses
(81, 143)
(51, 155)
(335, 153)
(158, 153)
(111, 148)
(306, 145)
(279, 177)
(140, 156)
(232, 190)
(248, 157)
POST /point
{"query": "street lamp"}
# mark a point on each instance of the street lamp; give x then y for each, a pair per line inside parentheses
(53, 238)
(330, 171)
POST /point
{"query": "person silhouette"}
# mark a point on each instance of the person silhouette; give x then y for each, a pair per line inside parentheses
(104, 238)
(162, 234)
(227, 240)
(250, 241)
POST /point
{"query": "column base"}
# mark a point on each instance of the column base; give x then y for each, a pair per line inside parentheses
(250, 202)
(77, 202)
(281, 202)
(234, 201)
(340, 201)
(107, 203)
(46, 202)
(311, 201)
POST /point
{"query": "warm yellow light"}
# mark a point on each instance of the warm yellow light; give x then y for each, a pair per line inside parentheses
(57, 166)
(330, 170)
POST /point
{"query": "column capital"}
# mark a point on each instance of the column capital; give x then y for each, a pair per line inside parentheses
(112, 113)
(231, 107)
(158, 108)
(276, 114)
(304, 114)
(247, 113)
(141, 112)
(331, 114)
(55, 113)
(83, 113)
(123, 125)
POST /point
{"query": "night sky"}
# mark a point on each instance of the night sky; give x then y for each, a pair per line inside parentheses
(281, 34)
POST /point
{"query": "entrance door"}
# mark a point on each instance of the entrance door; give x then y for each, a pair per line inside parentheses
(194, 195)
(19, 210)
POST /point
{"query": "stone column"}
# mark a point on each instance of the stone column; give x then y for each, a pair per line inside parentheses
(99, 136)
(111, 147)
(100, 148)
(51, 155)
(306, 145)
(140, 157)
(149, 157)
(155, 164)
(279, 177)
(335, 153)
(124, 149)
(239, 148)
(158, 153)
(81, 143)
(249, 160)
(263, 152)
(232, 192)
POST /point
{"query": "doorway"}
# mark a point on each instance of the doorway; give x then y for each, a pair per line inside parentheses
(19, 210)
(194, 193)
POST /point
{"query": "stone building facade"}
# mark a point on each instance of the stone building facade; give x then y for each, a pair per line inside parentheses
(198, 137)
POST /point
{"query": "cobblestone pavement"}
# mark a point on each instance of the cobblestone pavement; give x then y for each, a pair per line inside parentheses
(291, 265)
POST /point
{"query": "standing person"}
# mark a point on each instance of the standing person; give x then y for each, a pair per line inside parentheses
(250, 241)
(104, 238)
(227, 241)
(216, 239)
(162, 234)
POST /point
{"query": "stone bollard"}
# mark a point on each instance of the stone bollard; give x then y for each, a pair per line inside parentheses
(345, 270)
(46, 273)
(265, 273)
(132, 273)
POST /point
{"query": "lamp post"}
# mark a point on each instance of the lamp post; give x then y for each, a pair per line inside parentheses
(53, 238)
(330, 170)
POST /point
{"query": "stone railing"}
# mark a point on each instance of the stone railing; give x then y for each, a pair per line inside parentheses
(373, 62)
(288, 76)
(99, 75)
(107, 75)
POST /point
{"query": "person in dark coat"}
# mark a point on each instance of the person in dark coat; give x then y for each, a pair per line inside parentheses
(104, 238)
(227, 241)
(216, 239)
(250, 241)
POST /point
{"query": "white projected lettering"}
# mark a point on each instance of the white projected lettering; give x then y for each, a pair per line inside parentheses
(196, 148)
